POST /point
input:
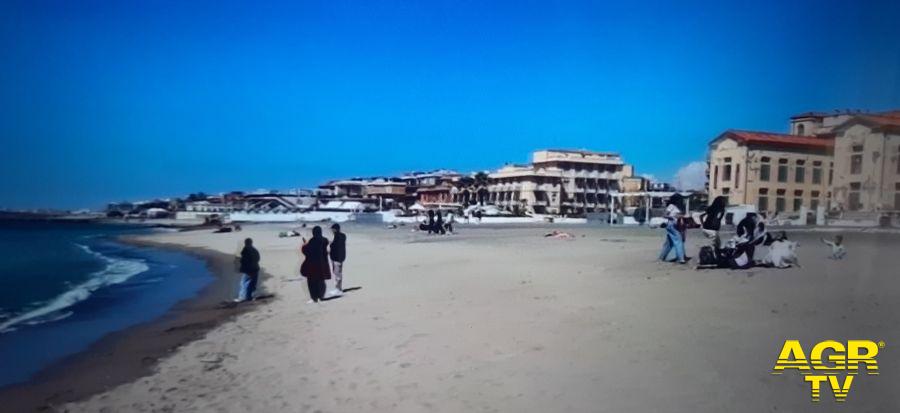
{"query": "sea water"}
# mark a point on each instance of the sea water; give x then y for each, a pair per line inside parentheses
(64, 286)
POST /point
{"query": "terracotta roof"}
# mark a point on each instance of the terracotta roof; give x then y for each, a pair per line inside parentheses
(778, 139)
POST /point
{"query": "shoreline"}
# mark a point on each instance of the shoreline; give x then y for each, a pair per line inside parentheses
(129, 354)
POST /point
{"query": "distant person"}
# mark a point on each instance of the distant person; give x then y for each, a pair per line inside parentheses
(338, 253)
(439, 223)
(315, 264)
(838, 251)
(674, 239)
(428, 225)
(451, 219)
(250, 269)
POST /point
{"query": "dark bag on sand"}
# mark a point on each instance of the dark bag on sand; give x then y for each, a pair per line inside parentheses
(708, 256)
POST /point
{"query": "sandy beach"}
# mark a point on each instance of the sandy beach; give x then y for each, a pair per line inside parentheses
(500, 319)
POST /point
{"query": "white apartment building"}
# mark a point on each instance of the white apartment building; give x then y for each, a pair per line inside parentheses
(559, 181)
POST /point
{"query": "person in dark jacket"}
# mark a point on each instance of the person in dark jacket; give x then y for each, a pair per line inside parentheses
(338, 253)
(711, 219)
(315, 264)
(439, 223)
(752, 232)
(250, 270)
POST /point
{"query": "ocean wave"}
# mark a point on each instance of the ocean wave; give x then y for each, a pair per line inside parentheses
(117, 270)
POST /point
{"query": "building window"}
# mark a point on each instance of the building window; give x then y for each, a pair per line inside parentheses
(764, 168)
(726, 173)
(801, 129)
(716, 177)
(737, 176)
(853, 202)
(763, 201)
(897, 196)
(817, 175)
(782, 170)
(726, 191)
(856, 159)
(779, 200)
(800, 174)
(856, 164)
(798, 200)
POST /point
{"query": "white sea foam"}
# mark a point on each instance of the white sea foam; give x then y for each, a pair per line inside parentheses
(117, 270)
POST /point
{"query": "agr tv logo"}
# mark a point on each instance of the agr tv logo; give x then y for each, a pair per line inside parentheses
(841, 359)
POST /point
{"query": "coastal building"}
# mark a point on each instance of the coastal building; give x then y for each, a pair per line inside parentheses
(436, 195)
(559, 181)
(775, 172)
(867, 163)
(390, 193)
(433, 178)
(344, 188)
(845, 161)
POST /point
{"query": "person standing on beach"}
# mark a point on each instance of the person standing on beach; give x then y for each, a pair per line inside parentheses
(674, 238)
(315, 264)
(338, 253)
(439, 223)
(250, 270)
(711, 219)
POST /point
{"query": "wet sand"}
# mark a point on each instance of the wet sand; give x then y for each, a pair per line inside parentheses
(132, 353)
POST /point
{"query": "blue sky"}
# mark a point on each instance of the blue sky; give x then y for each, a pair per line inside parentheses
(105, 101)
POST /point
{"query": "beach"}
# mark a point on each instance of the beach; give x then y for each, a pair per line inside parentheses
(499, 319)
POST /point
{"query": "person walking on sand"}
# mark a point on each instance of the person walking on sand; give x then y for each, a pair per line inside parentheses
(674, 238)
(338, 253)
(315, 264)
(250, 270)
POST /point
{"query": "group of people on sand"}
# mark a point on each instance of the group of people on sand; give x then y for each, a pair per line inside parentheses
(434, 222)
(739, 252)
(321, 260)
(317, 253)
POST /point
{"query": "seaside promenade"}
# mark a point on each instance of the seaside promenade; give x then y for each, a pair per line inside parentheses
(502, 319)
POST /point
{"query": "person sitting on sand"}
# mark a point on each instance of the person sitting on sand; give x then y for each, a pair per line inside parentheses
(315, 264)
(782, 253)
(837, 247)
(338, 253)
(250, 270)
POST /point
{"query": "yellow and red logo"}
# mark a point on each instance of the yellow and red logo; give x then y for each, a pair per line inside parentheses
(829, 361)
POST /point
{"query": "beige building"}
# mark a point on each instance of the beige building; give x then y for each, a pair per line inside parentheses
(867, 163)
(774, 172)
(559, 182)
